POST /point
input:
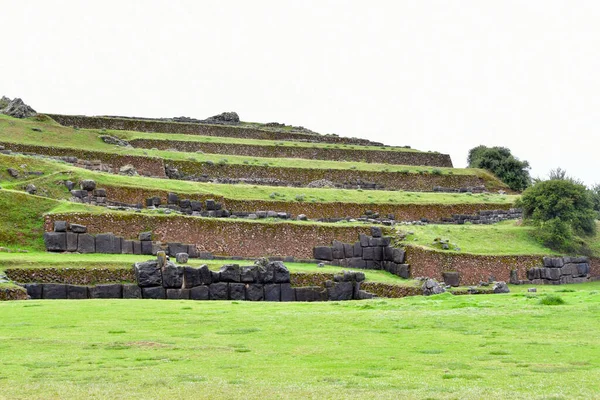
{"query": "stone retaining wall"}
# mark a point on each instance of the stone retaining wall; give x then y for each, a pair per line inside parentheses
(197, 129)
(558, 270)
(224, 237)
(313, 153)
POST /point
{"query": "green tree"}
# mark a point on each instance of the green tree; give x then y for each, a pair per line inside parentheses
(595, 193)
(561, 210)
(500, 162)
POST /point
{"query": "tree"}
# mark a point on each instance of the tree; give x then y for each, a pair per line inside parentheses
(595, 193)
(500, 162)
(561, 210)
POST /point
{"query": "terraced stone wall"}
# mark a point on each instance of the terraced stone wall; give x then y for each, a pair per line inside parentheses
(471, 268)
(196, 129)
(148, 166)
(217, 236)
(425, 182)
(370, 156)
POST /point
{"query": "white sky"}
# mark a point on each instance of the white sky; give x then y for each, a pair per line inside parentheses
(435, 75)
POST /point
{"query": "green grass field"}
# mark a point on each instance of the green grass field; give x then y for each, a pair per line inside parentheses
(20, 131)
(504, 238)
(55, 172)
(441, 347)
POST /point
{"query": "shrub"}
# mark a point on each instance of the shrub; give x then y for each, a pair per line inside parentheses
(436, 171)
(552, 300)
(500, 162)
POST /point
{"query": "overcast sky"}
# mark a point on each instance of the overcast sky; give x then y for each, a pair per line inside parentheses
(435, 75)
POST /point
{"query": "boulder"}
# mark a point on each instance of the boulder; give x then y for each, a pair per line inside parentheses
(16, 108)
(218, 291)
(181, 258)
(376, 231)
(248, 274)
(338, 250)
(399, 256)
(30, 188)
(175, 248)
(500, 287)
(266, 274)
(280, 272)
(230, 273)
(13, 172)
(172, 276)
(55, 241)
(114, 140)
(431, 286)
(110, 291)
(128, 170)
(146, 247)
(172, 198)
(126, 246)
(87, 184)
(200, 293)
(225, 118)
(107, 243)
(148, 274)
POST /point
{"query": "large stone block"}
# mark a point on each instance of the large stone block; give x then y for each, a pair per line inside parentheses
(248, 274)
(254, 292)
(237, 291)
(311, 293)
(110, 291)
(348, 250)
(146, 247)
(205, 275)
(127, 246)
(357, 262)
(451, 278)
(288, 293)
(181, 258)
(230, 273)
(583, 269)
(266, 274)
(200, 293)
(553, 262)
(34, 290)
(280, 272)
(146, 236)
(87, 184)
(72, 241)
(191, 277)
(338, 250)
(367, 253)
(192, 251)
(55, 241)
(86, 243)
(376, 231)
(175, 248)
(357, 250)
(377, 253)
(553, 273)
(137, 247)
(148, 274)
(323, 253)
(156, 292)
(340, 291)
(172, 276)
(131, 291)
(364, 240)
(60, 226)
(399, 256)
(218, 291)
(178, 294)
(54, 291)
(107, 243)
(172, 198)
(272, 292)
(404, 271)
(77, 228)
(76, 292)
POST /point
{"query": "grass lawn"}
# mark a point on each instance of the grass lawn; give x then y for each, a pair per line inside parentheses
(441, 347)
(72, 260)
(504, 238)
(21, 131)
(55, 172)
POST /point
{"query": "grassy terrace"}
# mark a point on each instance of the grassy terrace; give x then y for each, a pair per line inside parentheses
(505, 238)
(56, 171)
(441, 347)
(20, 131)
(129, 135)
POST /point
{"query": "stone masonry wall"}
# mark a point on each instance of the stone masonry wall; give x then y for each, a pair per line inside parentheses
(318, 153)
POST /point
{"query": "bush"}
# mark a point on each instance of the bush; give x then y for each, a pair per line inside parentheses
(595, 195)
(561, 210)
(500, 162)
(552, 300)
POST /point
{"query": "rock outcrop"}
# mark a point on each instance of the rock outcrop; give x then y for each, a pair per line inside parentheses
(16, 108)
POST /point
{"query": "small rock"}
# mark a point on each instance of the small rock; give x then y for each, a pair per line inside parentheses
(532, 290)
(501, 287)
(30, 188)
(128, 170)
(320, 265)
(13, 172)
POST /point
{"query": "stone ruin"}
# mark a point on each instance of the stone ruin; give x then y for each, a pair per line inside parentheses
(556, 271)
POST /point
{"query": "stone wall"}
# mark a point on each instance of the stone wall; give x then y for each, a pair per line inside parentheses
(558, 270)
(313, 153)
(485, 217)
(197, 129)
(217, 236)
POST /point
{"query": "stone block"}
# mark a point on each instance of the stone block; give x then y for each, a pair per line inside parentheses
(237, 291)
(196, 205)
(248, 274)
(60, 226)
(376, 231)
(146, 247)
(583, 269)
(145, 236)
(87, 184)
(172, 198)
(272, 292)
(86, 243)
(218, 291)
(388, 253)
(311, 293)
(580, 280)
(377, 253)
(132, 291)
(174, 248)
(156, 292)
(553, 262)
(280, 272)
(205, 255)
(451, 278)
(76, 292)
(34, 290)
(340, 291)
(323, 253)
(55, 241)
(200, 293)
(357, 262)
(109, 291)
(254, 292)
(127, 246)
(553, 273)
(77, 228)
(566, 279)
(191, 277)
(348, 250)
(364, 240)
(172, 276)
(148, 274)
(399, 256)
(54, 291)
(178, 294)
(215, 276)
(107, 243)
(288, 293)
(192, 251)
(230, 273)
(72, 241)
(373, 242)
(137, 247)
(385, 241)
(367, 253)
(357, 250)
(181, 258)
(337, 250)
